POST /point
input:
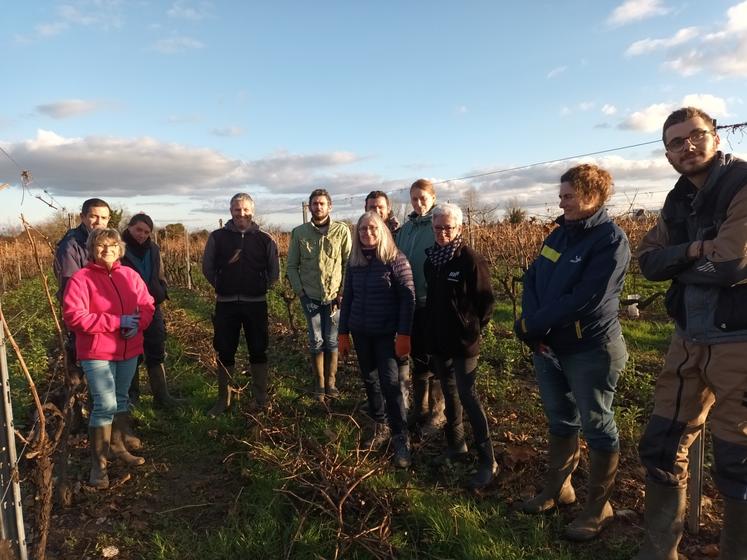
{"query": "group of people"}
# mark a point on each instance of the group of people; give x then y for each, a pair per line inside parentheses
(419, 294)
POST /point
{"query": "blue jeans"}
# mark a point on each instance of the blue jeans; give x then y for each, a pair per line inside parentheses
(380, 372)
(322, 327)
(108, 383)
(578, 395)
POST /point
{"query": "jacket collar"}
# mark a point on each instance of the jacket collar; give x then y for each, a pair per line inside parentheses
(418, 219)
(230, 226)
(599, 217)
(98, 268)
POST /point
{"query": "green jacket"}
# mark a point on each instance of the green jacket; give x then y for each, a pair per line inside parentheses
(316, 261)
(413, 238)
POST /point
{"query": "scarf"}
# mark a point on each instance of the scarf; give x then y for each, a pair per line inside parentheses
(439, 256)
(137, 249)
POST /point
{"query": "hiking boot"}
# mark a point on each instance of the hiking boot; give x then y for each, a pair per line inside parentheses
(330, 374)
(225, 390)
(402, 458)
(378, 435)
(158, 387)
(98, 441)
(664, 521)
(563, 456)
(117, 444)
(597, 512)
(733, 534)
(486, 466)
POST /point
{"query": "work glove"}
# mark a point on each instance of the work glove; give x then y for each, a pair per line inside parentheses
(402, 345)
(344, 345)
(129, 333)
(127, 322)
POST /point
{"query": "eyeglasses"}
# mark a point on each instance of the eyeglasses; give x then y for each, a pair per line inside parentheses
(445, 229)
(366, 229)
(695, 138)
(103, 246)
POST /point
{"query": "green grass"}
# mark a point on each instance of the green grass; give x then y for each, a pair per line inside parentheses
(212, 487)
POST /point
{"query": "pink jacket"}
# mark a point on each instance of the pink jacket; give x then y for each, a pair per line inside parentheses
(94, 300)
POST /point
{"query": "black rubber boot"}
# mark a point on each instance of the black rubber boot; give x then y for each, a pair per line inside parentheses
(663, 521)
(98, 441)
(158, 386)
(563, 456)
(486, 466)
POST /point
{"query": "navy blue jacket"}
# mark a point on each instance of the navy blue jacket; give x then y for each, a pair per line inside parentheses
(378, 298)
(572, 290)
(70, 256)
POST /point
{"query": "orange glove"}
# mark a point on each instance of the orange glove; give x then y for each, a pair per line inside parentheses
(402, 345)
(343, 344)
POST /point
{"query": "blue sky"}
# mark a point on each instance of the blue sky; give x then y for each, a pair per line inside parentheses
(171, 107)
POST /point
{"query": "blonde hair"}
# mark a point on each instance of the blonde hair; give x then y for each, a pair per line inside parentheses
(99, 235)
(386, 250)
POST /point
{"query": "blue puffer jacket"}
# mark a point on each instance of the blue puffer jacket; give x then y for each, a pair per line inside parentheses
(378, 298)
(572, 290)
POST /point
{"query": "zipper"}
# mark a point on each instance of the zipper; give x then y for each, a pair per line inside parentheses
(121, 307)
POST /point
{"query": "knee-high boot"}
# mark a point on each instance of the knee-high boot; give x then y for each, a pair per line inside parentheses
(597, 512)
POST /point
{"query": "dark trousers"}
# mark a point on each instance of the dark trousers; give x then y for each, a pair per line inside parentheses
(421, 360)
(229, 319)
(380, 373)
(154, 340)
(457, 376)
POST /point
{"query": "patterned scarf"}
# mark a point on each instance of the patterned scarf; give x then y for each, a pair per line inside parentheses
(439, 256)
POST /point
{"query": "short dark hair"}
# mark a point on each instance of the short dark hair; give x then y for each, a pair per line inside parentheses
(588, 180)
(94, 203)
(373, 195)
(141, 217)
(319, 192)
(685, 114)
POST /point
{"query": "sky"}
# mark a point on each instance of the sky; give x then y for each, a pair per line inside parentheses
(171, 107)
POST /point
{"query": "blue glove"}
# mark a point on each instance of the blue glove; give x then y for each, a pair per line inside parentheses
(129, 333)
(127, 322)
(309, 305)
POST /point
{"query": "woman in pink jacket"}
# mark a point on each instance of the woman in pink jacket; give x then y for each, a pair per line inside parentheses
(108, 307)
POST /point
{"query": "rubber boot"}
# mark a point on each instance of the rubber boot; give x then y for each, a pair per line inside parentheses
(597, 512)
(159, 388)
(402, 458)
(317, 368)
(664, 521)
(117, 443)
(486, 466)
(330, 374)
(563, 456)
(419, 410)
(98, 441)
(456, 446)
(131, 440)
(225, 390)
(436, 417)
(259, 386)
(734, 531)
(403, 373)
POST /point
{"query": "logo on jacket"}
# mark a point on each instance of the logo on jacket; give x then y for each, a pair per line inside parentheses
(577, 259)
(454, 276)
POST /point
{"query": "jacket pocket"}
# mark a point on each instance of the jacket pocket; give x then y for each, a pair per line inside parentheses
(731, 309)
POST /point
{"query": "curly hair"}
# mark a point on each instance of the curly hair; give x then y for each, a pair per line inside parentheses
(589, 180)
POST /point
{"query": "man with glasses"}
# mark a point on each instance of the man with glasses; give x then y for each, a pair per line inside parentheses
(317, 255)
(700, 245)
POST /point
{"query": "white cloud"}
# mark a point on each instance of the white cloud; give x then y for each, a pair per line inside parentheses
(174, 45)
(186, 10)
(636, 10)
(228, 131)
(102, 14)
(722, 52)
(608, 109)
(645, 46)
(651, 118)
(555, 72)
(586, 105)
(68, 108)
